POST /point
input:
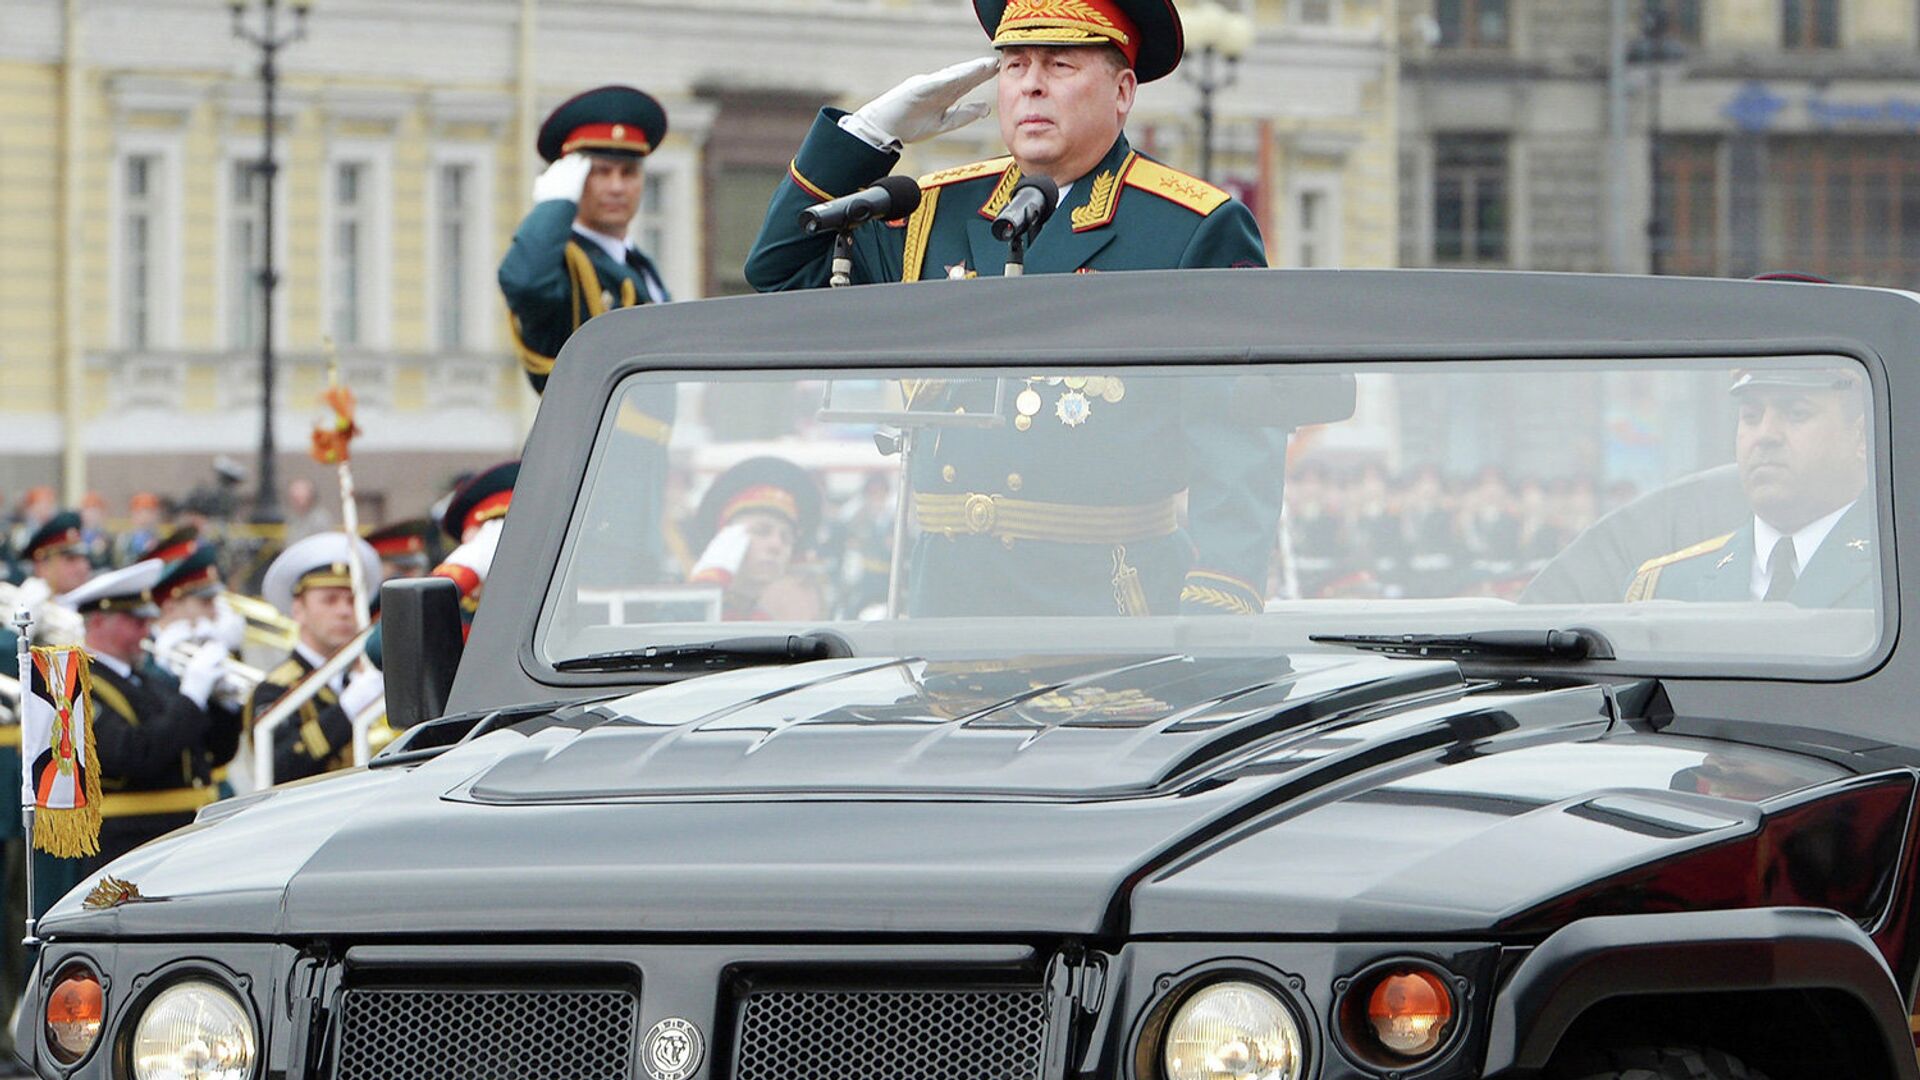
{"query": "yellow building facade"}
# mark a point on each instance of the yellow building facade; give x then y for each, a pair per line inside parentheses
(133, 214)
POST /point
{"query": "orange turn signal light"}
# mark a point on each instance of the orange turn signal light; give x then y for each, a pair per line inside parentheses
(1410, 1012)
(75, 1009)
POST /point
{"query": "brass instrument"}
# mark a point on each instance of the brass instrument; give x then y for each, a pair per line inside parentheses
(52, 624)
(232, 689)
(266, 626)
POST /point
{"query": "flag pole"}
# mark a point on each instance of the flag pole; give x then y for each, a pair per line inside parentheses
(349, 507)
(23, 628)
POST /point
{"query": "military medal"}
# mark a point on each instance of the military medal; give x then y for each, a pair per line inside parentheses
(1022, 423)
(1113, 391)
(1028, 403)
(1073, 409)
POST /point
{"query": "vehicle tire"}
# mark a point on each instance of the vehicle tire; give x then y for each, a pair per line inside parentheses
(1657, 1063)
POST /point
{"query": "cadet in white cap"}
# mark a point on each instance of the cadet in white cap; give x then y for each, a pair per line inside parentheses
(312, 582)
(158, 746)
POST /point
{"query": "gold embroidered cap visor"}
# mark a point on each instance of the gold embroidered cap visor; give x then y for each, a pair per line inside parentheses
(1148, 32)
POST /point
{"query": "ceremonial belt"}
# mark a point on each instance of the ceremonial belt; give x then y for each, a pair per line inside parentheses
(169, 801)
(975, 514)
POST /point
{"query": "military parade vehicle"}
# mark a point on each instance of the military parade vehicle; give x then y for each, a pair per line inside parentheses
(1090, 757)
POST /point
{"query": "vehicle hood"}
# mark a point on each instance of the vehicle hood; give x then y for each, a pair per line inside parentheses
(907, 796)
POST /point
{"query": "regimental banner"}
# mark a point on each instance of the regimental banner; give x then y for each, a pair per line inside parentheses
(60, 774)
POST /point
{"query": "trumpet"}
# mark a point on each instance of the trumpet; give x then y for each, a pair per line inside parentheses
(266, 626)
(233, 688)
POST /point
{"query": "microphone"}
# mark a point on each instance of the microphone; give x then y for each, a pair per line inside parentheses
(892, 197)
(1033, 201)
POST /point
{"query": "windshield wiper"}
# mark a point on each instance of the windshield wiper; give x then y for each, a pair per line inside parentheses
(715, 655)
(1578, 643)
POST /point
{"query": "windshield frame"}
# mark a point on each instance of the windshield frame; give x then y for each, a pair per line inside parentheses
(1617, 356)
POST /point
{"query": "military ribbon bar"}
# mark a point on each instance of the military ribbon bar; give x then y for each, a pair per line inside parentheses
(61, 777)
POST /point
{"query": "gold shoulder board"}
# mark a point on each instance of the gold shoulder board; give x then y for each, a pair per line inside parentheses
(1176, 187)
(958, 173)
(288, 673)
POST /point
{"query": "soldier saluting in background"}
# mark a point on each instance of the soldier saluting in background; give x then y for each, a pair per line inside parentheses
(571, 261)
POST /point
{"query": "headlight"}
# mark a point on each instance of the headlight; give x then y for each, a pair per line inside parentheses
(1398, 1015)
(74, 1009)
(1232, 1031)
(194, 1030)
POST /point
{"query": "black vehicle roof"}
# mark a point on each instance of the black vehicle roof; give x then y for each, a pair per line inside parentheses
(1228, 316)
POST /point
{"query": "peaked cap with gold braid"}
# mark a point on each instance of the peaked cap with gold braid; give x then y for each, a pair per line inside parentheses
(1147, 32)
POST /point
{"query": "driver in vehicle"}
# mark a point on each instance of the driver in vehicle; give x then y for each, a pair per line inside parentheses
(1801, 447)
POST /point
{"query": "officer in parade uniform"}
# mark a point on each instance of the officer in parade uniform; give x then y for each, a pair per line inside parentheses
(571, 261)
(404, 548)
(1071, 506)
(1800, 442)
(311, 581)
(57, 552)
(158, 746)
(752, 522)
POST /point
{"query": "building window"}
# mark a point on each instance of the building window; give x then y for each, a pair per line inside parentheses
(1845, 208)
(650, 231)
(1313, 12)
(455, 206)
(1470, 200)
(1687, 240)
(1810, 24)
(246, 215)
(1315, 236)
(351, 227)
(1472, 24)
(1679, 21)
(139, 243)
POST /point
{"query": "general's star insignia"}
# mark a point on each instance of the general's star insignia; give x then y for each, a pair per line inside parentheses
(1073, 409)
(1857, 545)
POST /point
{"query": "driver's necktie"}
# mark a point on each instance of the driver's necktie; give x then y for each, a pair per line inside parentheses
(1782, 570)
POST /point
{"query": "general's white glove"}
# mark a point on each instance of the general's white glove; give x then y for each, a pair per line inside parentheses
(361, 691)
(477, 553)
(923, 106)
(723, 556)
(203, 671)
(564, 179)
(170, 637)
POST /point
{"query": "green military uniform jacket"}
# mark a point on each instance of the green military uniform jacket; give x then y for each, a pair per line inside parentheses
(1841, 574)
(555, 279)
(1074, 512)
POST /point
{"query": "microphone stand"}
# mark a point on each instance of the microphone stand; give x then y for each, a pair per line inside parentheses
(842, 259)
(1017, 254)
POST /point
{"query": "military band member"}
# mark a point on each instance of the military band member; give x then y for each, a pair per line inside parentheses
(158, 746)
(1800, 441)
(311, 581)
(571, 261)
(1070, 507)
(754, 519)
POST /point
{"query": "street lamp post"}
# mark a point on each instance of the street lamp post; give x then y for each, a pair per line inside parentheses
(1220, 36)
(1655, 51)
(270, 38)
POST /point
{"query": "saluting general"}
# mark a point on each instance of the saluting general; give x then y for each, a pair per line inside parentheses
(1058, 510)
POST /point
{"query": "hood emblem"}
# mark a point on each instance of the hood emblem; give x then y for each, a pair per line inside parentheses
(673, 1049)
(110, 892)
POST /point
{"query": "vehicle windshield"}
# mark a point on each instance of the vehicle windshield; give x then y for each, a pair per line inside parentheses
(1709, 514)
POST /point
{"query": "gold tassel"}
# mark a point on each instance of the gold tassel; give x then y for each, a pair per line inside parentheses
(70, 834)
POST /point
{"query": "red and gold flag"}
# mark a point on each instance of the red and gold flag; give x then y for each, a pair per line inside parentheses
(60, 774)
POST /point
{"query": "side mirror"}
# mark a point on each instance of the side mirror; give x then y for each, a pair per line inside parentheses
(421, 645)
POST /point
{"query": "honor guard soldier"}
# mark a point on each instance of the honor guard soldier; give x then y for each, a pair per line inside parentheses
(474, 515)
(403, 548)
(1800, 442)
(1057, 511)
(158, 746)
(311, 582)
(58, 554)
(571, 261)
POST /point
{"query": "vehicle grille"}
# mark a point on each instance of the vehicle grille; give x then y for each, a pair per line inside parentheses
(892, 1035)
(486, 1035)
